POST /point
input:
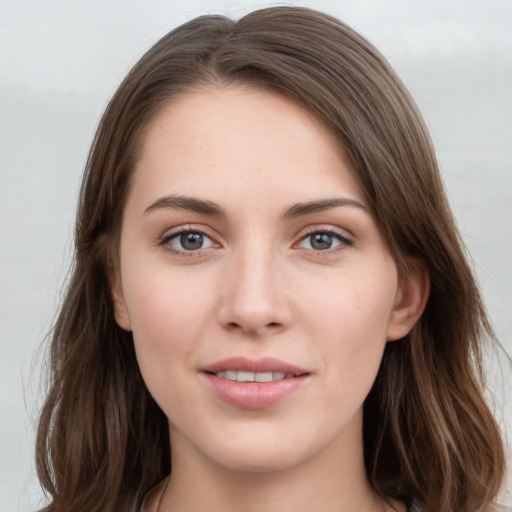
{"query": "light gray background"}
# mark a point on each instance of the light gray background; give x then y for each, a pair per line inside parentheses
(61, 61)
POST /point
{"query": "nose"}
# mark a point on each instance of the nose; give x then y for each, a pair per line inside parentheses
(254, 298)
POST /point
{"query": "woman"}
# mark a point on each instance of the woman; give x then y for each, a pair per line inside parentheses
(269, 293)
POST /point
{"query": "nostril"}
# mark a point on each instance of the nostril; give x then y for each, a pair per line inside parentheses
(235, 326)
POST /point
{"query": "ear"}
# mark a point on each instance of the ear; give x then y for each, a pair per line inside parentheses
(410, 300)
(120, 309)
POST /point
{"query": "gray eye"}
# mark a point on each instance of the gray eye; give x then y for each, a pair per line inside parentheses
(321, 241)
(191, 241)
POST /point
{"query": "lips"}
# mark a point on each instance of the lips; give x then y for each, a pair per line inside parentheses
(263, 365)
(252, 376)
(254, 384)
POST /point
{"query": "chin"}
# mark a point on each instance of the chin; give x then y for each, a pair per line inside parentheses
(259, 454)
(260, 462)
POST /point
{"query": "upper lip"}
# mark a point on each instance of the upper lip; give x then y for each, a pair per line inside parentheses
(261, 365)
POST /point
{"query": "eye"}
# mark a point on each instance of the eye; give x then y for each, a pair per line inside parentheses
(323, 240)
(187, 241)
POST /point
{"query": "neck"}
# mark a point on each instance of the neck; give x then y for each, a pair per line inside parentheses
(320, 483)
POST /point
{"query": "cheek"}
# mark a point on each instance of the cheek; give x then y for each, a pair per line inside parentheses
(353, 303)
(348, 321)
(167, 313)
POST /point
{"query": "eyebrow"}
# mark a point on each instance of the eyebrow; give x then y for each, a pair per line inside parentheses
(320, 205)
(206, 207)
(187, 203)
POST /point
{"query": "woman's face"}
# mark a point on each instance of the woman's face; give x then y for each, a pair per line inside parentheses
(258, 287)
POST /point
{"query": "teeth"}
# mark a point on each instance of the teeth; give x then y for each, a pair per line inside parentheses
(264, 377)
(253, 377)
(245, 376)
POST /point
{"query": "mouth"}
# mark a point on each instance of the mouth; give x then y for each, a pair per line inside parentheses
(242, 376)
(241, 369)
(254, 384)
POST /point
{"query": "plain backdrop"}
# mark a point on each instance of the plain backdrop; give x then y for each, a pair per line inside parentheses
(60, 61)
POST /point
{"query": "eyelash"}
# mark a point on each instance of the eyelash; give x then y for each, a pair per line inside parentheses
(343, 239)
(166, 239)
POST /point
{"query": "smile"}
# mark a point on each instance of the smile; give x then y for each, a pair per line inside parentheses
(244, 369)
(254, 384)
(242, 376)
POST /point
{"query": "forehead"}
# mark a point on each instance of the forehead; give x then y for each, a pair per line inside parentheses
(208, 141)
(246, 110)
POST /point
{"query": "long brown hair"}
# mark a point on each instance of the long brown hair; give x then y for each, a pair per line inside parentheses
(429, 436)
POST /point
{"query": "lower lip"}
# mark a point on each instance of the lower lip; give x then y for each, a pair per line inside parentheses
(254, 395)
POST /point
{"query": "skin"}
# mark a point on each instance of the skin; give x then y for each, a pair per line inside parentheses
(257, 287)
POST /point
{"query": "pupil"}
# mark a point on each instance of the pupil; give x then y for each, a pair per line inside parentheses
(191, 241)
(321, 241)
